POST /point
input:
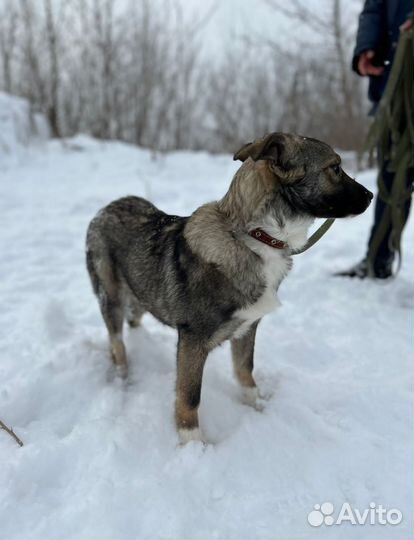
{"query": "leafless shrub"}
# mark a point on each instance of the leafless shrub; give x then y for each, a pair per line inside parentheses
(323, 86)
(132, 75)
(136, 74)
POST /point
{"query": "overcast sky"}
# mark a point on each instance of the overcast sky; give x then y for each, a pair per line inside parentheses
(233, 19)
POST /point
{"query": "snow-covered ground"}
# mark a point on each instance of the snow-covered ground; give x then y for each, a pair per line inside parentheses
(101, 461)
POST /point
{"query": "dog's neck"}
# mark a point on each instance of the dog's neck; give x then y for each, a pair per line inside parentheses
(292, 232)
(252, 203)
(248, 194)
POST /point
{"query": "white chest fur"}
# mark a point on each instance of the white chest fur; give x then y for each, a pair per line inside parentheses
(275, 267)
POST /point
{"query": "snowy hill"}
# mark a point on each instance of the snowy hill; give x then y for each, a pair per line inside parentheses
(101, 461)
(20, 127)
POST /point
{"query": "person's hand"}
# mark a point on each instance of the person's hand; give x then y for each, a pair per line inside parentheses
(409, 23)
(365, 65)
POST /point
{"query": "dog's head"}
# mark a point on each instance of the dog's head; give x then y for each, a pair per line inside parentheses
(308, 175)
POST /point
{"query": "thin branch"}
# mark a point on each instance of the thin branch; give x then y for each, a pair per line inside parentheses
(298, 11)
(204, 19)
(257, 41)
(11, 433)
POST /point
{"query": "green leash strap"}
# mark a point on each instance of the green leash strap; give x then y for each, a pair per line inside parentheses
(393, 132)
(316, 236)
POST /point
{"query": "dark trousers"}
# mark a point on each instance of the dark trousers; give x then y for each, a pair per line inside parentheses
(385, 253)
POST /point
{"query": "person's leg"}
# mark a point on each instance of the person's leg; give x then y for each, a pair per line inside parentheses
(380, 249)
(382, 259)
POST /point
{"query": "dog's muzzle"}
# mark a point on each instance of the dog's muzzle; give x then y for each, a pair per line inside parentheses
(369, 195)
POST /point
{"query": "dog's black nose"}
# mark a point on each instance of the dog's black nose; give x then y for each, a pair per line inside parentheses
(369, 194)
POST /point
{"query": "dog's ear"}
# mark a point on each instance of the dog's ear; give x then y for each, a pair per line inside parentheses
(278, 149)
(268, 147)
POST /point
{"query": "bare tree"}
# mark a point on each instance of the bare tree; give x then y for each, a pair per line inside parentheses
(8, 29)
(137, 74)
(32, 84)
(242, 102)
(329, 59)
(53, 106)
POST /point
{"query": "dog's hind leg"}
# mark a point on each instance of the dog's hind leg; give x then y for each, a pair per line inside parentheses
(191, 357)
(134, 310)
(108, 289)
(242, 352)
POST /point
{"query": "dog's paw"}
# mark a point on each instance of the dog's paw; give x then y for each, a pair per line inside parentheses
(121, 372)
(265, 394)
(117, 373)
(249, 395)
(252, 397)
(187, 435)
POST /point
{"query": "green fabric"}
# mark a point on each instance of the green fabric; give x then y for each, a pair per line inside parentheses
(392, 132)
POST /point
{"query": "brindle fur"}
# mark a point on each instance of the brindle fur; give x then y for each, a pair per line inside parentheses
(203, 275)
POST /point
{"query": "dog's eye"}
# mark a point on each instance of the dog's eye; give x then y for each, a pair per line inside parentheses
(336, 169)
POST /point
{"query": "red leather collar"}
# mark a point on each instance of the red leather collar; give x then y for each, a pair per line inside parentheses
(262, 236)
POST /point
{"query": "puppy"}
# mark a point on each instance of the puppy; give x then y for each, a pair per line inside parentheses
(213, 275)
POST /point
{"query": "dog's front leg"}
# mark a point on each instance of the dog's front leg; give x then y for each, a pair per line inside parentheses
(191, 356)
(242, 352)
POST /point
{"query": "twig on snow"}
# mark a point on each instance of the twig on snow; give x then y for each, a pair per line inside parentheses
(11, 433)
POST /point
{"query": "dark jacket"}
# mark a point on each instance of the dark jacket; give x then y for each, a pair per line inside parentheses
(378, 29)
